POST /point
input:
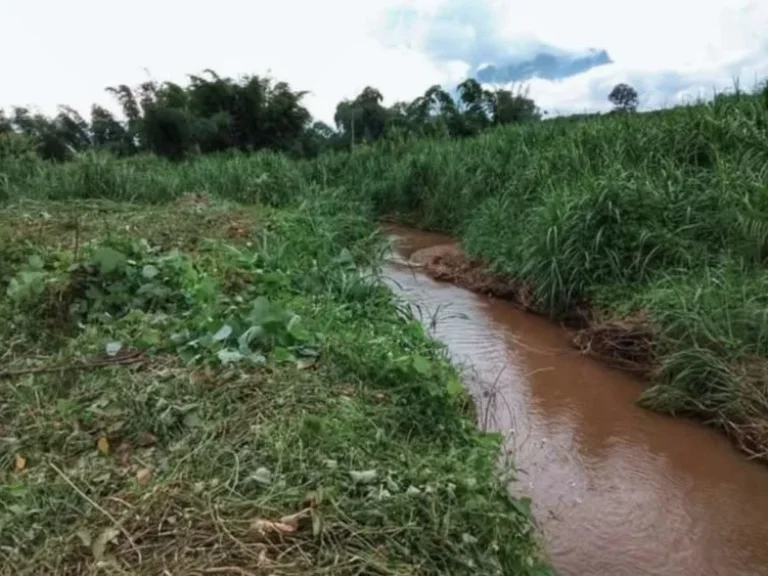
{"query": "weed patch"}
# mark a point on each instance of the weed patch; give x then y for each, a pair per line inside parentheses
(250, 403)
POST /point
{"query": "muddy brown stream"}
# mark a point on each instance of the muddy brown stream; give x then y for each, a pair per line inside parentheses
(617, 490)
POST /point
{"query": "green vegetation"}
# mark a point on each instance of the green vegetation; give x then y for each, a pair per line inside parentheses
(206, 388)
(656, 220)
(215, 369)
(214, 114)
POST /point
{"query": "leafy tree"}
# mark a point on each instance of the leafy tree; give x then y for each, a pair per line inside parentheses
(5, 123)
(624, 97)
(212, 113)
(109, 134)
(435, 113)
(49, 136)
(508, 108)
(364, 118)
(476, 110)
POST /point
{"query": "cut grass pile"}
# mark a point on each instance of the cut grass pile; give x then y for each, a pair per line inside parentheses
(202, 388)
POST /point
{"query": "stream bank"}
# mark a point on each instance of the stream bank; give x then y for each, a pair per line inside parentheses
(618, 490)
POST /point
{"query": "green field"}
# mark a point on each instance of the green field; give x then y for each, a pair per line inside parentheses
(203, 387)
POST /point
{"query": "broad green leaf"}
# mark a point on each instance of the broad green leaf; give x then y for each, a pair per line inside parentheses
(35, 262)
(455, 387)
(109, 260)
(281, 355)
(260, 310)
(296, 330)
(421, 365)
(522, 505)
(150, 337)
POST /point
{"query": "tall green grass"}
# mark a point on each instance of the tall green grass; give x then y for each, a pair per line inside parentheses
(662, 216)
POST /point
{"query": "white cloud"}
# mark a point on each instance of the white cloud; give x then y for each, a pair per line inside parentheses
(670, 50)
(68, 52)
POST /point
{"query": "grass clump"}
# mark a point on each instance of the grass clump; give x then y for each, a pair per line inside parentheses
(202, 388)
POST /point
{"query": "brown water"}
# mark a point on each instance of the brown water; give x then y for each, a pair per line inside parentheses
(617, 490)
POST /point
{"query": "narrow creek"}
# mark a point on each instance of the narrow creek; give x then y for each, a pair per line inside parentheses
(617, 490)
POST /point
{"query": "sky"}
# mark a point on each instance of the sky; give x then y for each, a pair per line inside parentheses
(57, 52)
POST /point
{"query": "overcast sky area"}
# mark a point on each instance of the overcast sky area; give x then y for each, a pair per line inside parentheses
(57, 52)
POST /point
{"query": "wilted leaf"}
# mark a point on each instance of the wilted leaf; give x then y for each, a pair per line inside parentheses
(143, 476)
(19, 463)
(103, 445)
(147, 439)
(100, 543)
(286, 524)
(85, 536)
(227, 356)
(113, 348)
(263, 476)
(192, 420)
(223, 333)
(304, 363)
(272, 526)
(364, 477)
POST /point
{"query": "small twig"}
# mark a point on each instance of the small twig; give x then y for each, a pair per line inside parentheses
(88, 499)
(134, 359)
(228, 570)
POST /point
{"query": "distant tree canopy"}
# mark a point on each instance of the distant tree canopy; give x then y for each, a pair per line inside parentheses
(212, 113)
(624, 97)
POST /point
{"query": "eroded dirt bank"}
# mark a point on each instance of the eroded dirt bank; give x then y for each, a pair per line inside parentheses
(625, 344)
(618, 490)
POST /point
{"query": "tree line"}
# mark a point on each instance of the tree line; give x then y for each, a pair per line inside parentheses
(212, 113)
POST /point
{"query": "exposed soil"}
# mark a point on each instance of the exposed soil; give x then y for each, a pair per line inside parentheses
(448, 263)
(625, 343)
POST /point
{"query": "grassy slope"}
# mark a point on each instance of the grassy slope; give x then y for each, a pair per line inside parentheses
(186, 457)
(659, 217)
